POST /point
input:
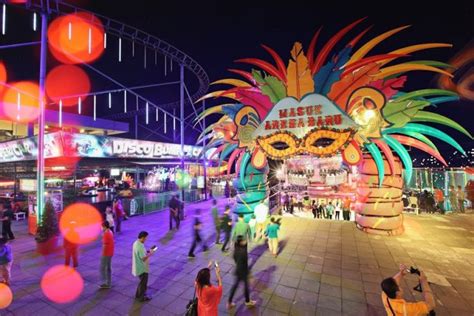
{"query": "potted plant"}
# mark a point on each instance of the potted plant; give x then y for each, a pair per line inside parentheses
(48, 231)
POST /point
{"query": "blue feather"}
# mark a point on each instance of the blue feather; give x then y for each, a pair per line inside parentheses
(231, 109)
(331, 72)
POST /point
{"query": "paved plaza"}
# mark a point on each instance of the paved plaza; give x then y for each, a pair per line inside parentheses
(324, 268)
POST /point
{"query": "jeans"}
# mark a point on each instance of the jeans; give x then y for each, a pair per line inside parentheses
(176, 219)
(7, 230)
(5, 272)
(71, 253)
(106, 269)
(197, 239)
(142, 286)
(236, 284)
(218, 233)
(118, 224)
(227, 238)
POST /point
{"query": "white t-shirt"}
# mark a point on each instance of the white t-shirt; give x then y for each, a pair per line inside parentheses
(261, 212)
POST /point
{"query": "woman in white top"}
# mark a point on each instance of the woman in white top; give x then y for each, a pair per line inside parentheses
(109, 217)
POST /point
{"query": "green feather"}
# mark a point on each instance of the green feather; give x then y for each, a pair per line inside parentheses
(375, 152)
(403, 154)
(399, 113)
(424, 93)
(270, 86)
(423, 116)
(432, 63)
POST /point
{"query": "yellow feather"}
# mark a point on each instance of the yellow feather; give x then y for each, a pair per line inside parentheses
(215, 94)
(393, 70)
(300, 81)
(364, 50)
(412, 49)
(233, 82)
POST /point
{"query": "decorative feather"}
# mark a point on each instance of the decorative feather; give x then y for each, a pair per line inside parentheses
(432, 63)
(232, 158)
(414, 48)
(424, 93)
(341, 90)
(375, 152)
(387, 153)
(213, 94)
(245, 74)
(227, 151)
(269, 68)
(260, 102)
(348, 68)
(243, 166)
(389, 87)
(427, 130)
(403, 154)
(279, 62)
(331, 72)
(300, 81)
(439, 100)
(270, 86)
(399, 113)
(402, 68)
(358, 37)
(364, 50)
(324, 53)
(232, 82)
(217, 151)
(420, 137)
(423, 116)
(231, 109)
(312, 45)
(408, 141)
(207, 112)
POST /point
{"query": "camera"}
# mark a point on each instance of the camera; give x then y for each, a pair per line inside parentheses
(153, 248)
(416, 271)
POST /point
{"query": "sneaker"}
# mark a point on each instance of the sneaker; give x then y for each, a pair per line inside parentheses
(230, 305)
(250, 303)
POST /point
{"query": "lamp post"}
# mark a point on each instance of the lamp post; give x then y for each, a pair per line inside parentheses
(41, 121)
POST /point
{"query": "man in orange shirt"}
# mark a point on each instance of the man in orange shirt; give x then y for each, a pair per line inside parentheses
(439, 198)
(106, 258)
(392, 296)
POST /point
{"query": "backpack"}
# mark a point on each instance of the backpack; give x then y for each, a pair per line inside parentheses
(192, 306)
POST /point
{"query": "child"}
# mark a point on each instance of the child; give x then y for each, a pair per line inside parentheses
(272, 233)
(252, 224)
(6, 259)
(110, 218)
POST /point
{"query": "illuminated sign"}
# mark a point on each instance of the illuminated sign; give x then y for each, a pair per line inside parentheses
(114, 172)
(144, 149)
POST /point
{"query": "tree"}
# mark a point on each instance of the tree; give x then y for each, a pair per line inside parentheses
(49, 227)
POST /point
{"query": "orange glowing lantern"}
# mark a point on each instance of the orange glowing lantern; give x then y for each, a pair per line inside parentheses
(6, 296)
(76, 38)
(67, 80)
(62, 284)
(3, 76)
(80, 223)
(20, 101)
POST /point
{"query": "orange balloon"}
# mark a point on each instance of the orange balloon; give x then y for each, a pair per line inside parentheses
(6, 296)
(69, 37)
(29, 96)
(80, 223)
(67, 80)
(62, 284)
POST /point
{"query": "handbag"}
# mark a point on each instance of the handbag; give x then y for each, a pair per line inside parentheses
(192, 306)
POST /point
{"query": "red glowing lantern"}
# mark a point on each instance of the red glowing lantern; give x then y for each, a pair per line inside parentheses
(80, 223)
(76, 38)
(20, 101)
(62, 284)
(3, 76)
(67, 80)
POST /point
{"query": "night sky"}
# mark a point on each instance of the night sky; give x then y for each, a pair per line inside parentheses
(215, 33)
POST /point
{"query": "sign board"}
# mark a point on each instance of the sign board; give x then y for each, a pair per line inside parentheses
(114, 172)
(28, 185)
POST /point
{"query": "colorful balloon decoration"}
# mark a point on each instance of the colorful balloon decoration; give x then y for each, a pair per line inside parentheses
(325, 103)
(183, 179)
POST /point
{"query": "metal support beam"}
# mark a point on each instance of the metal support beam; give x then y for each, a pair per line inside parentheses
(19, 45)
(181, 120)
(204, 154)
(41, 120)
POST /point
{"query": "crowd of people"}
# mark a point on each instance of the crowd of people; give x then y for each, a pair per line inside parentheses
(318, 207)
(436, 200)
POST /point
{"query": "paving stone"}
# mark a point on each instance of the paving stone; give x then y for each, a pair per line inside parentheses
(330, 302)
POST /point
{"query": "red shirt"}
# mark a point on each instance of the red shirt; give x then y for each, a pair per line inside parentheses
(208, 300)
(108, 243)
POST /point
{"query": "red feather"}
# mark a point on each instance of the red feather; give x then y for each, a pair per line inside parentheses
(358, 37)
(232, 158)
(245, 74)
(252, 97)
(269, 68)
(387, 153)
(408, 141)
(321, 58)
(389, 87)
(360, 63)
(312, 45)
(279, 62)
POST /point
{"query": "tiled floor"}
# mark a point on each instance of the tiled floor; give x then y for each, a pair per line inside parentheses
(325, 268)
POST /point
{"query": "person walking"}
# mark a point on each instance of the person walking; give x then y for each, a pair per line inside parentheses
(119, 215)
(7, 218)
(197, 234)
(6, 261)
(241, 272)
(287, 202)
(329, 210)
(314, 208)
(272, 234)
(439, 199)
(217, 222)
(107, 254)
(141, 265)
(209, 296)
(461, 196)
(292, 204)
(261, 213)
(226, 226)
(174, 206)
(252, 224)
(337, 211)
(346, 209)
(453, 199)
(71, 247)
(110, 218)
(242, 229)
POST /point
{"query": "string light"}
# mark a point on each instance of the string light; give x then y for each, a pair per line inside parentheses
(90, 41)
(79, 105)
(171, 65)
(174, 123)
(156, 114)
(18, 104)
(69, 31)
(165, 66)
(156, 57)
(120, 49)
(125, 101)
(146, 113)
(105, 40)
(164, 119)
(95, 107)
(60, 113)
(110, 100)
(144, 57)
(4, 18)
(133, 49)
(34, 21)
